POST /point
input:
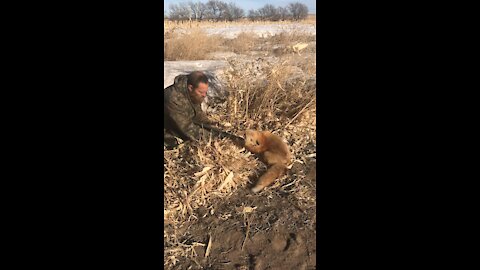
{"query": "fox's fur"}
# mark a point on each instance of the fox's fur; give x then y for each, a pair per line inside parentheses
(273, 151)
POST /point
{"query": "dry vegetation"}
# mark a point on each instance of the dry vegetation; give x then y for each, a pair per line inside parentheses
(168, 24)
(243, 43)
(190, 47)
(197, 45)
(276, 95)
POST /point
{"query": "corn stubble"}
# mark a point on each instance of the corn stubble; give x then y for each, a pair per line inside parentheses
(262, 96)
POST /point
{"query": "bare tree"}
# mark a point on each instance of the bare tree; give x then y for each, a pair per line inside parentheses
(215, 9)
(179, 12)
(202, 8)
(224, 11)
(173, 13)
(298, 10)
(218, 10)
(198, 10)
(253, 15)
(262, 14)
(283, 13)
(268, 12)
(235, 12)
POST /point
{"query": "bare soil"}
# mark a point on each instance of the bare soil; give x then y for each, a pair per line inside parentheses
(278, 232)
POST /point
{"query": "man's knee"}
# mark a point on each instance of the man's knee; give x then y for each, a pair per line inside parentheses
(169, 140)
(170, 143)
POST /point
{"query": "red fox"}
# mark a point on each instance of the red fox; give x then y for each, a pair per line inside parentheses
(273, 151)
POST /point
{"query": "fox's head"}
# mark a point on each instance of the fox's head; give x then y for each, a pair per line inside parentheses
(254, 141)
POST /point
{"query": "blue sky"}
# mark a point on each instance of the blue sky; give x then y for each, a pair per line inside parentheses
(254, 4)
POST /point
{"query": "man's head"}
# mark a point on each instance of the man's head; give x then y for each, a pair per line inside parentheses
(197, 84)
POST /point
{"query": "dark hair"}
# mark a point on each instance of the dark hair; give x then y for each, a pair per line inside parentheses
(196, 78)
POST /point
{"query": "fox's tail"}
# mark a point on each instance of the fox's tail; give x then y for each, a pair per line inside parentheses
(274, 172)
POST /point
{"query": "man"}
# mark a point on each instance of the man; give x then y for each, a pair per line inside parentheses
(183, 116)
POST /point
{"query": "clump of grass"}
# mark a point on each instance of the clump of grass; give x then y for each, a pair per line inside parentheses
(194, 45)
(199, 176)
(278, 97)
(291, 37)
(243, 43)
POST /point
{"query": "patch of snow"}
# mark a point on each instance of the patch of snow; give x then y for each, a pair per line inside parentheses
(172, 69)
(261, 30)
(232, 31)
(212, 68)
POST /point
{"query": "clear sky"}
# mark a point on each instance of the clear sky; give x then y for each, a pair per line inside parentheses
(254, 4)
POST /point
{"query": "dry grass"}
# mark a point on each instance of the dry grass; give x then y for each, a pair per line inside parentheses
(190, 41)
(192, 46)
(167, 24)
(276, 95)
(243, 43)
(292, 37)
(213, 169)
(205, 174)
(272, 99)
(196, 45)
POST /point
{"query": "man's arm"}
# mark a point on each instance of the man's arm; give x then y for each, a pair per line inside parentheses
(183, 124)
(201, 117)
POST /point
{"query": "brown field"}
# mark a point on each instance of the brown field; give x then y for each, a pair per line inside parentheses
(167, 24)
(212, 220)
(179, 46)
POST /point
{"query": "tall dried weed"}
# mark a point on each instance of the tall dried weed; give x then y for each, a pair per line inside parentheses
(192, 45)
(243, 43)
(278, 96)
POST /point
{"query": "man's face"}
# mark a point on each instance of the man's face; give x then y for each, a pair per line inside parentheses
(198, 94)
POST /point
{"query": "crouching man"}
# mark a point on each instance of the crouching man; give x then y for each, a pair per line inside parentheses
(183, 116)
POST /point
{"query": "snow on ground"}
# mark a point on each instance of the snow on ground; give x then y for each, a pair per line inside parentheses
(174, 68)
(232, 31)
(212, 68)
(261, 30)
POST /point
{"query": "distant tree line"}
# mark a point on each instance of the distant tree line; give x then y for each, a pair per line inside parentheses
(217, 10)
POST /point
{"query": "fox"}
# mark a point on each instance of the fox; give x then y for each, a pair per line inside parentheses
(273, 152)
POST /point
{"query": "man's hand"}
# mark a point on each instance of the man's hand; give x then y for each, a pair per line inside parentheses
(194, 143)
(218, 125)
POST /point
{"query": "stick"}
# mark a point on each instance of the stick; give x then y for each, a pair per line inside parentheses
(248, 230)
(211, 128)
(300, 112)
(209, 246)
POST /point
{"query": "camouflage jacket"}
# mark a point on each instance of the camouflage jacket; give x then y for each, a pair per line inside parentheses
(181, 117)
